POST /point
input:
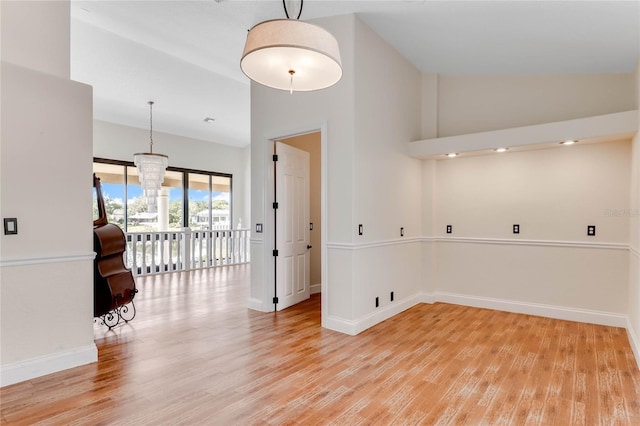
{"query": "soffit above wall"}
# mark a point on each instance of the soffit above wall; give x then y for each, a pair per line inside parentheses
(597, 129)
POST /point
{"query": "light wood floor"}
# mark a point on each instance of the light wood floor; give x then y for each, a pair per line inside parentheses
(196, 355)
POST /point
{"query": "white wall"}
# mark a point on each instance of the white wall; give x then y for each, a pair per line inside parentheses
(634, 254)
(386, 180)
(553, 194)
(428, 287)
(246, 188)
(46, 296)
(277, 114)
(117, 142)
(633, 326)
(369, 178)
(36, 35)
(551, 268)
(472, 104)
(387, 115)
(429, 110)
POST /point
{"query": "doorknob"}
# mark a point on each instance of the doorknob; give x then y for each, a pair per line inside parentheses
(308, 247)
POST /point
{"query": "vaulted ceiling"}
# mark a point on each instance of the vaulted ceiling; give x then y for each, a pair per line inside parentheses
(185, 55)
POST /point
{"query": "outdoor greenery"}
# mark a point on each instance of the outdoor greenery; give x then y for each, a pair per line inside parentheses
(175, 214)
(113, 208)
(115, 211)
(196, 207)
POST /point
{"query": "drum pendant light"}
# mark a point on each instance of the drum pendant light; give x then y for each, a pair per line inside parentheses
(292, 55)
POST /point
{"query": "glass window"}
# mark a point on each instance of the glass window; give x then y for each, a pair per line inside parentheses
(112, 184)
(161, 214)
(141, 213)
(208, 197)
(199, 201)
(221, 202)
(172, 186)
(209, 201)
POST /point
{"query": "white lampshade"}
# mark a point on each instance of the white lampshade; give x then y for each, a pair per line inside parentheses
(290, 54)
(151, 168)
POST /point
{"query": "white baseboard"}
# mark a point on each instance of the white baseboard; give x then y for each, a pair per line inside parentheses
(634, 341)
(340, 325)
(255, 304)
(549, 311)
(41, 366)
(427, 298)
(354, 327)
(315, 288)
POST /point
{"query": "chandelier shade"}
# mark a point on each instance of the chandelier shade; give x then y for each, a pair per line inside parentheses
(289, 54)
(151, 168)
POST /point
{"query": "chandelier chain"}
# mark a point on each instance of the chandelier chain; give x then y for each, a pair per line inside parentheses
(286, 12)
(151, 126)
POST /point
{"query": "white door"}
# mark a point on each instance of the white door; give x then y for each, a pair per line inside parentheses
(292, 222)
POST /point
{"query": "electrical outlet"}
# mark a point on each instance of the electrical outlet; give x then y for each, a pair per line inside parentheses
(591, 230)
(449, 229)
(311, 226)
(360, 229)
(258, 228)
(391, 296)
(516, 229)
(377, 302)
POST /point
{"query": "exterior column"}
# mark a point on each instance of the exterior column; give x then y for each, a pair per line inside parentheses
(163, 209)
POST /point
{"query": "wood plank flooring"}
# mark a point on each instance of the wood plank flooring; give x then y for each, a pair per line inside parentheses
(195, 355)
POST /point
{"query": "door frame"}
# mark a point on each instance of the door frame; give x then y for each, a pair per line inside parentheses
(269, 218)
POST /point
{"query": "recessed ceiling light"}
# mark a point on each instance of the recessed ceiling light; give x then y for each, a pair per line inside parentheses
(209, 120)
(452, 154)
(568, 142)
(501, 149)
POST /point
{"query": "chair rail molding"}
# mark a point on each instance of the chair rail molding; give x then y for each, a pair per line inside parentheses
(46, 259)
(380, 243)
(541, 243)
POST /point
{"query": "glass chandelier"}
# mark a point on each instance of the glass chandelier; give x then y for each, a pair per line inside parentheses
(151, 168)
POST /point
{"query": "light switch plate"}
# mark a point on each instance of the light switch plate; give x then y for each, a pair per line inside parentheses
(10, 226)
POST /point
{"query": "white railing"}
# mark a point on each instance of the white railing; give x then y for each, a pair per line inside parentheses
(153, 252)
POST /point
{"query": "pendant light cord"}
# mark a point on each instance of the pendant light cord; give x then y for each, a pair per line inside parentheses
(284, 4)
(151, 126)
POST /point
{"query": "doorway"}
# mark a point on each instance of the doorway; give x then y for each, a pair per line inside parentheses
(292, 285)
